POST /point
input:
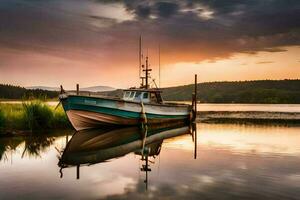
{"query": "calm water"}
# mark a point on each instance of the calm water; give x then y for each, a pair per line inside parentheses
(250, 107)
(226, 107)
(233, 162)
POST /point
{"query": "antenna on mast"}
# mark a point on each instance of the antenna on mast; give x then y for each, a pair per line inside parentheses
(140, 56)
(147, 74)
(144, 67)
(159, 65)
(141, 66)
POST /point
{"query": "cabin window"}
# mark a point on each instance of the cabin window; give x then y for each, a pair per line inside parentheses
(145, 95)
(137, 94)
(132, 94)
(127, 94)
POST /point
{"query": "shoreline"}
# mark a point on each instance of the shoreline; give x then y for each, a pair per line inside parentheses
(232, 117)
(255, 117)
(34, 116)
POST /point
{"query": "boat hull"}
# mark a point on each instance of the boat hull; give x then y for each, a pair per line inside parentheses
(92, 112)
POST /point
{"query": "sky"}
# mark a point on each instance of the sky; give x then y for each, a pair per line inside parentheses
(96, 42)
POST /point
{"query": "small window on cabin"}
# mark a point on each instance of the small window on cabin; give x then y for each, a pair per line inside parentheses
(132, 94)
(127, 94)
(137, 94)
(145, 95)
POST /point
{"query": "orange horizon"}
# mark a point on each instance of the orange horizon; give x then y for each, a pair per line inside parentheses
(96, 43)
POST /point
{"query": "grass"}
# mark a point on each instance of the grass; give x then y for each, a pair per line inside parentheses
(32, 116)
(2, 120)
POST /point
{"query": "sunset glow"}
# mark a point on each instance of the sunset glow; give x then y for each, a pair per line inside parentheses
(96, 42)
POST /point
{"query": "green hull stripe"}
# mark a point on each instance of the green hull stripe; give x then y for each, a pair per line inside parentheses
(69, 105)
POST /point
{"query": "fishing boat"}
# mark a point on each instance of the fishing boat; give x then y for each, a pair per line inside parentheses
(136, 106)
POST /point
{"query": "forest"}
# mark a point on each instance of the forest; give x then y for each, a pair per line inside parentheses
(260, 91)
(17, 92)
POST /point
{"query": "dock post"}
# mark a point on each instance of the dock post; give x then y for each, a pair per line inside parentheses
(77, 171)
(77, 89)
(62, 89)
(67, 139)
(195, 122)
(195, 92)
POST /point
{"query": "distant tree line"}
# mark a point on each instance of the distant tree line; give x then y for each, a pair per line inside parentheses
(262, 91)
(16, 92)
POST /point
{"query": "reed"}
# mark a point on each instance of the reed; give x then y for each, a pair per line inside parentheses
(12, 114)
(60, 119)
(37, 115)
(31, 115)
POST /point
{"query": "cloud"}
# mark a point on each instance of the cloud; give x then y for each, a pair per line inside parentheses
(143, 11)
(188, 30)
(166, 9)
(265, 62)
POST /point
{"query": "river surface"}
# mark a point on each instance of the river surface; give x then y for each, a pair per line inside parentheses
(233, 162)
(250, 107)
(294, 108)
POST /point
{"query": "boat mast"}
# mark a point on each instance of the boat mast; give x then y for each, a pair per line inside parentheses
(147, 72)
(141, 66)
(140, 56)
(145, 68)
(159, 65)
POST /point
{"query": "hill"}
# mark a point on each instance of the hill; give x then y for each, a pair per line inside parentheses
(261, 91)
(43, 88)
(88, 89)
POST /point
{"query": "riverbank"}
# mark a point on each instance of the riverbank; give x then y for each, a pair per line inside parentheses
(23, 118)
(31, 117)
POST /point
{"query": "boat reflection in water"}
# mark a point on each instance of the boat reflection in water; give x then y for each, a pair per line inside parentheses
(89, 147)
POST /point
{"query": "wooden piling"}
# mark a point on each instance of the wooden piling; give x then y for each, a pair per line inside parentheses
(67, 139)
(195, 136)
(77, 171)
(61, 89)
(195, 122)
(77, 89)
(195, 92)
